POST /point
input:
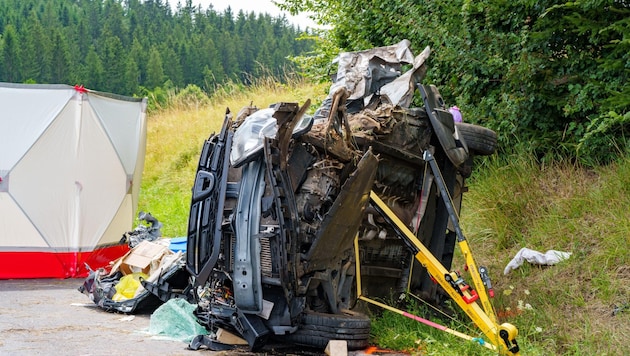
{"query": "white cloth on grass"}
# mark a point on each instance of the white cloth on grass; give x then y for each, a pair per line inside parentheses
(550, 257)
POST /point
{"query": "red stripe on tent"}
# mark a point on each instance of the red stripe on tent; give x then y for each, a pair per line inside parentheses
(57, 264)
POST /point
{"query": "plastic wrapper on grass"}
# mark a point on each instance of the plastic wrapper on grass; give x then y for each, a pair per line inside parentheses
(175, 320)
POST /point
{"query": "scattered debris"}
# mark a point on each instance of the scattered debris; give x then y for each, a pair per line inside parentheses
(620, 308)
(149, 274)
(548, 258)
(175, 320)
(143, 232)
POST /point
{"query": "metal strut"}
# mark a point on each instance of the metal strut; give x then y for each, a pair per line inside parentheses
(503, 336)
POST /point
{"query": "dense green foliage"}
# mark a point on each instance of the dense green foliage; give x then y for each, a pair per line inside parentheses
(131, 46)
(549, 76)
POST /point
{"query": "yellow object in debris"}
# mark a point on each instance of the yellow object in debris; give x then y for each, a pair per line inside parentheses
(127, 286)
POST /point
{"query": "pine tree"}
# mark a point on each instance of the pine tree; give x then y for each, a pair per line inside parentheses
(10, 59)
(113, 57)
(93, 76)
(132, 77)
(155, 69)
(60, 60)
(35, 50)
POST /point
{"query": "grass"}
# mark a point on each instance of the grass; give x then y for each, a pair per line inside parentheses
(513, 202)
(566, 309)
(175, 136)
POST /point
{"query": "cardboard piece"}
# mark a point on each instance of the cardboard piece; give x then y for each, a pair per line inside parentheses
(143, 258)
(226, 337)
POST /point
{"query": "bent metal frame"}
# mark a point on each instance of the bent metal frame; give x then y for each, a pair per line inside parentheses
(500, 337)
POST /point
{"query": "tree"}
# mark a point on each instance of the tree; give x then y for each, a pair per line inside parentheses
(113, 57)
(543, 73)
(60, 60)
(132, 77)
(155, 69)
(10, 60)
(36, 57)
(94, 71)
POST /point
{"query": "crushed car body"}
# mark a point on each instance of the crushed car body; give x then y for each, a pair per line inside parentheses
(280, 196)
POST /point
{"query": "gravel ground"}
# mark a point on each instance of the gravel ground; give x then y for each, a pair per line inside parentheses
(50, 317)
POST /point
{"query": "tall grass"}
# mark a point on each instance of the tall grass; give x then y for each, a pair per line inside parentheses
(514, 202)
(175, 135)
(580, 306)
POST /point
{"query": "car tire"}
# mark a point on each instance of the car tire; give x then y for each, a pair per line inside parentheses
(346, 319)
(318, 329)
(480, 140)
(313, 339)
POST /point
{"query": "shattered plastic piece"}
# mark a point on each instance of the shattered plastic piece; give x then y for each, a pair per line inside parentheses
(175, 320)
(143, 232)
(209, 343)
(127, 286)
(550, 257)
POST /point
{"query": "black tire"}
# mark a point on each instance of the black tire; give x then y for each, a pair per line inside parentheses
(332, 330)
(318, 329)
(318, 340)
(359, 335)
(480, 140)
(346, 319)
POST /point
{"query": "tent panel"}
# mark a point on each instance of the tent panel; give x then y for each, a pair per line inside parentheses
(15, 228)
(26, 112)
(99, 258)
(103, 182)
(123, 121)
(36, 264)
(139, 169)
(44, 183)
(122, 222)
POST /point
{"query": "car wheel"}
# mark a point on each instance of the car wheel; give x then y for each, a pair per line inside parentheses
(482, 141)
(318, 329)
(319, 340)
(346, 319)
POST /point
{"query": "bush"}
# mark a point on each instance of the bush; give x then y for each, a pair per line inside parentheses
(543, 73)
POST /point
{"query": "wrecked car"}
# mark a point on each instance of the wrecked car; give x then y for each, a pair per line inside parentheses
(280, 196)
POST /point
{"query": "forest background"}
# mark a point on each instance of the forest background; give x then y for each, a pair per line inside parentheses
(141, 48)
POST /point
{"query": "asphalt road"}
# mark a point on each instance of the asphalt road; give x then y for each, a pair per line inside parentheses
(50, 317)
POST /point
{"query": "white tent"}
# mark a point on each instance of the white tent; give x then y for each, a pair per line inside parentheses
(71, 163)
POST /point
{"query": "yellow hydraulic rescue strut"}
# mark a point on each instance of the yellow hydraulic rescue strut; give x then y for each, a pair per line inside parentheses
(501, 337)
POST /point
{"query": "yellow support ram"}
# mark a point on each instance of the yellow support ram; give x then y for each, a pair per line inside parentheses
(503, 336)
